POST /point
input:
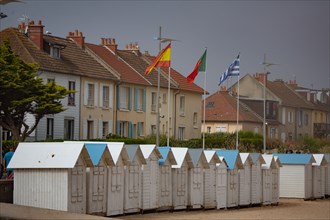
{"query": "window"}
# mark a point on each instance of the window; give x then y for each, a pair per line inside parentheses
(123, 129)
(105, 96)
(124, 100)
(182, 105)
(138, 99)
(300, 118)
(195, 119)
(272, 132)
(90, 97)
(49, 80)
(208, 130)
(90, 129)
(181, 133)
(68, 129)
(153, 129)
(105, 129)
(71, 96)
(140, 126)
(164, 98)
(153, 101)
(50, 129)
(55, 52)
(306, 119)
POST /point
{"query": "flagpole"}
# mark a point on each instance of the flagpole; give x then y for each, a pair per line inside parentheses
(237, 112)
(204, 105)
(168, 105)
(158, 91)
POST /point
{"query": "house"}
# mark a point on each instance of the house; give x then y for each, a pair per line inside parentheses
(196, 178)
(221, 114)
(51, 175)
(131, 93)
(165, 178)
(296, 176)
(234, 163)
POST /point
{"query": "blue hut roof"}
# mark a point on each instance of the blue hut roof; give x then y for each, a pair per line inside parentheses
(231, 157)
(292, 159)
(95, 152)
(164, 152)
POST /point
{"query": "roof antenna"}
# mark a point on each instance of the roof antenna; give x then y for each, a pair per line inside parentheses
(24, 19)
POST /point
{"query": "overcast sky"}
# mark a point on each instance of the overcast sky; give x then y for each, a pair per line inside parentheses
(293, 34)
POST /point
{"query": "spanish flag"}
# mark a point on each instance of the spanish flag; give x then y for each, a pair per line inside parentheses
(162, 60)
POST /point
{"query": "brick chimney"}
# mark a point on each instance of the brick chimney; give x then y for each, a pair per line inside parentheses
(110, 43)
(223, 89)
(35, 33)
(261, 77)
(78, 37)
(293, 84)
(132, 46)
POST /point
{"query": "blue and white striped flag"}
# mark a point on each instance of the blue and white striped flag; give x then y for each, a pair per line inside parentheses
(233, 70)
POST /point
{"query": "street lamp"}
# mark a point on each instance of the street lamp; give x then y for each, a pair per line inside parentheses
(265, 64)
(163, 40)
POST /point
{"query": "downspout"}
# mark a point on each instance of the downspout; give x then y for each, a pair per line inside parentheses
(115, 111)
(174, 118)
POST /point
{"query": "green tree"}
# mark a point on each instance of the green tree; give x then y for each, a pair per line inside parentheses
(22, 93)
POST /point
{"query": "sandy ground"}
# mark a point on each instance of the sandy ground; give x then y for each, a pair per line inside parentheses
(287, 209)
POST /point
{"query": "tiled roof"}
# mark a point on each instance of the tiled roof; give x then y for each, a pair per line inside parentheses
(221, 106)
(134, 59)
(127, 74)
(73, 59)
(288, 96)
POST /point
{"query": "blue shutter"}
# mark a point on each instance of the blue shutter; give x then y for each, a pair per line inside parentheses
(118, 97)
(136, 99)
(129, 98)
(144, 101)
(130, 129)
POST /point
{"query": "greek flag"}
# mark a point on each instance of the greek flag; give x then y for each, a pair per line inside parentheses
(233, 70)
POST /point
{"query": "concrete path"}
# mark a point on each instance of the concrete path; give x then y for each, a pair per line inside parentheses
(11, 211)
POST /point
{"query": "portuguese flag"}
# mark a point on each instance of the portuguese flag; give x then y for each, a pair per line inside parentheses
(200, 67)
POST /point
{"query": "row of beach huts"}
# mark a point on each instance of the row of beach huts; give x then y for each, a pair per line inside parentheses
(112, 178)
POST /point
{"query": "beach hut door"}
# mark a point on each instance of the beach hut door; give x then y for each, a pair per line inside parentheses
(98, 193)
(77, 189)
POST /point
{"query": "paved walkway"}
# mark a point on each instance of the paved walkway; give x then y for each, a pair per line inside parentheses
(11, 211)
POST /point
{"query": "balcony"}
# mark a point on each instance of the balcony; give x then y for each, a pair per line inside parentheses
(321, 130)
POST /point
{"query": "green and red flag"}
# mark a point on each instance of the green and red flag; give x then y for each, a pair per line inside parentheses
(200, 67)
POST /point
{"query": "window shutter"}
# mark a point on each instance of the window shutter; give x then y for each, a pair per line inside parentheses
(117, 128)
(139, 128)
(136, 99)
(95, 94)
(111, 98)
(101, 95)
(110, 126)
(118, 97)
(130, 129)
(95, 128)
(129, 98)
(100, 128)
(144, 101)
(85, 92)
(84, 128)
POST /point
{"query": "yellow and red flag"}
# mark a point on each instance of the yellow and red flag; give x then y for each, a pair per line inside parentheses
(162, 60)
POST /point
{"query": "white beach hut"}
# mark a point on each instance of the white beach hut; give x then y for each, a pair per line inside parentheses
(196, 178)
(256, 178)
(150, 177)
(327, 175)
(276, 181)
(97, 178)
(51, 175)
(180, 177)
(165, 178)
(267, 175)
(234, 163)
(133, 181)
(245, 180)
(319, 176)
(221, 183)
(116, 184)
(296, 175)
(210, 179)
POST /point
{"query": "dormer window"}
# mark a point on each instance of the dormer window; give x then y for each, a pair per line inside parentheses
(55, 52)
